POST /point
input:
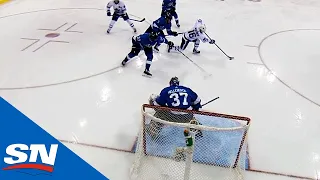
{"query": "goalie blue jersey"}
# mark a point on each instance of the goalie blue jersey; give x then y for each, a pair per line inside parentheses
(179, 97)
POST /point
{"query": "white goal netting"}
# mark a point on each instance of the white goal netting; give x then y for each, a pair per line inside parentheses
(169, 147)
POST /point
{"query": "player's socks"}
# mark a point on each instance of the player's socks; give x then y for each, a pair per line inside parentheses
(147, 70)
(148, 67)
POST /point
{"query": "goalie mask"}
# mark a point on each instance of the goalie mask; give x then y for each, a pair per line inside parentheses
(174, 81)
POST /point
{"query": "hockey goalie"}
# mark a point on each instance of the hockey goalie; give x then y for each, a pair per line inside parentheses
(177, 97)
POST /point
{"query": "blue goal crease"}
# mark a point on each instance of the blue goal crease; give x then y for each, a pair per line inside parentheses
(219, 148)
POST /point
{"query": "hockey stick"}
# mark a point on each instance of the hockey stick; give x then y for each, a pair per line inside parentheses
(138, 20)
(194, 63)
(210, 101)
(230, 58)
(171, 35)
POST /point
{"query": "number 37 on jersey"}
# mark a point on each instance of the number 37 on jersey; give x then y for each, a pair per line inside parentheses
(178, 97)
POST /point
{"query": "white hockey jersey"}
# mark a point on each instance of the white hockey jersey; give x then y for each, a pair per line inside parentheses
(119, 8)
(194, 34)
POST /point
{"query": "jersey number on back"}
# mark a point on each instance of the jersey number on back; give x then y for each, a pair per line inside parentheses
(192, 34)
(176, 99)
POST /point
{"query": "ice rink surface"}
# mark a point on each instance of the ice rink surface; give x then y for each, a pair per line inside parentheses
(73, 87)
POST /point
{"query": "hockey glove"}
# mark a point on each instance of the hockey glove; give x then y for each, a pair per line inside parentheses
(108, 13)
(170, 44)
(174, 33)
(196, 107)
(212, 41)
(152, 99)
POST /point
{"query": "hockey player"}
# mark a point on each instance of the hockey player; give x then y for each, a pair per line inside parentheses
(164, 22)
(195, 35)
(120, 10)
(175, 96)
(145, 42)
(170, 5)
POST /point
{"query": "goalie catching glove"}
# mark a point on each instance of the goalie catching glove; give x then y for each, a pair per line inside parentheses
(152, 99)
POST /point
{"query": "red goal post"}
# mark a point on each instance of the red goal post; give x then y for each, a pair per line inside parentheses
(220, 140)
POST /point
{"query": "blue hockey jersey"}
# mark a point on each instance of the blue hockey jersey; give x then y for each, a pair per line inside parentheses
(179, 97)
(168, 5)
(145, 41)
(161, 24)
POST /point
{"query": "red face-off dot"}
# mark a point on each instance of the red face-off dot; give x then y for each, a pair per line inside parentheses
(52, 35)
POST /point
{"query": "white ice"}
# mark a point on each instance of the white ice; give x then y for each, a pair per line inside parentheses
(76, 91)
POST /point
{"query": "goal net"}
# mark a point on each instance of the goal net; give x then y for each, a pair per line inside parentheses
(176, 144)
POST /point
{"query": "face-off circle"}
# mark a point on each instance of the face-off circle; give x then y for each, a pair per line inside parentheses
(44, 54)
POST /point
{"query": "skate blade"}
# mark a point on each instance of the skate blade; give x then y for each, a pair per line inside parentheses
(145, 75)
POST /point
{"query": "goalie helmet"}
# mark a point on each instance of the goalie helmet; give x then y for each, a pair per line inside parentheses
(174, 81)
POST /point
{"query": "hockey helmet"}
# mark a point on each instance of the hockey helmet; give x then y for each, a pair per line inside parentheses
(199, 21)
(174, 81)
(154, 35)
(202, 28)
(116, 1)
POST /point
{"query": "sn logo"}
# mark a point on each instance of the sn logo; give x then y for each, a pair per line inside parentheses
(17, 159)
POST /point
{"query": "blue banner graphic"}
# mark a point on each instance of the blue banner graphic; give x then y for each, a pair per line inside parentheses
(30, 153)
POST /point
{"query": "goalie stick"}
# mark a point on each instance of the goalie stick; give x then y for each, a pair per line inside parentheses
(230, 58)
(138, 20)
(210, 101)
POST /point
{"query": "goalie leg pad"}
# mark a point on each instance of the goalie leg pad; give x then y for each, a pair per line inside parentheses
(154, 128)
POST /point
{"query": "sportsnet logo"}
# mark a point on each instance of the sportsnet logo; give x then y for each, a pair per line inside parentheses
(28, 152)
(21, 156)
